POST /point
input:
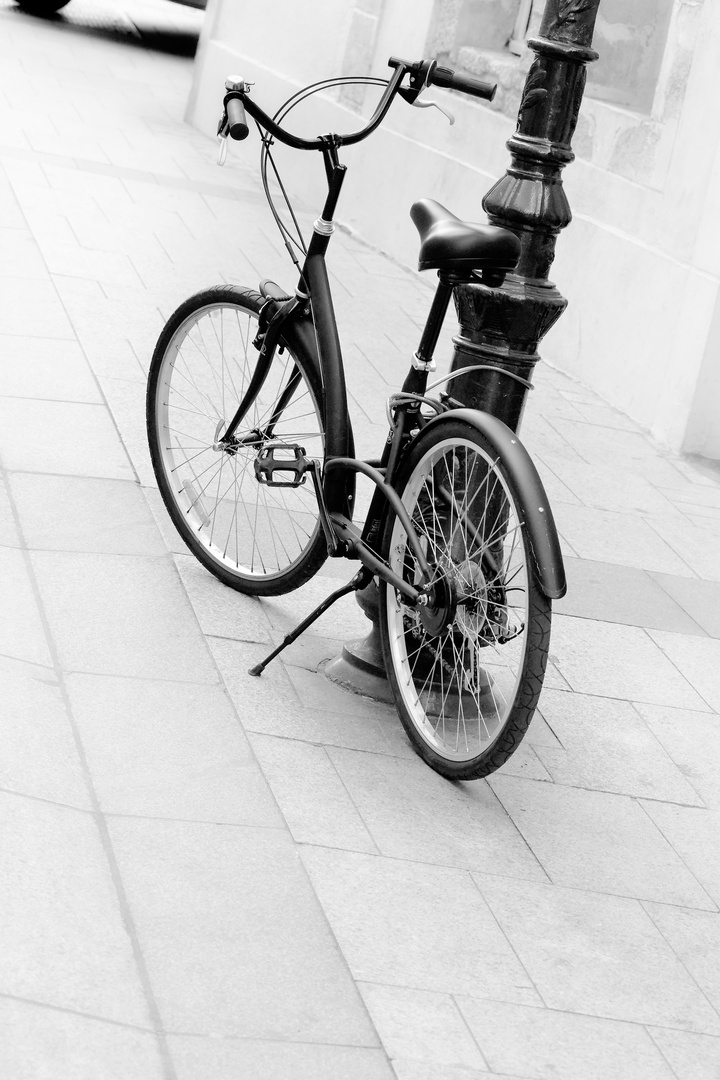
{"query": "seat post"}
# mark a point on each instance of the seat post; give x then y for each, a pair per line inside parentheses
(436, 317)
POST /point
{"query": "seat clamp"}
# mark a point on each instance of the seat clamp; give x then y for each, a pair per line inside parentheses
(323, 227)
(423, 365)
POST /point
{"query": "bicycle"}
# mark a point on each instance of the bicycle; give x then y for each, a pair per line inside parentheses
(247, 403)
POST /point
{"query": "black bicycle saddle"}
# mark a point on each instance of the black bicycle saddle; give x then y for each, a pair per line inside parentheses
(448, 243)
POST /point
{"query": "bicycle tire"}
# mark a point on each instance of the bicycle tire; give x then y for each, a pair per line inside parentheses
(466, 671)
(255, 538)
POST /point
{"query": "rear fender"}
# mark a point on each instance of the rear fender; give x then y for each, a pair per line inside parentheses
(539, 521)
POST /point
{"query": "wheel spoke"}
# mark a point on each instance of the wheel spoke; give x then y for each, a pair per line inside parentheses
(254, 536)
(459, 665)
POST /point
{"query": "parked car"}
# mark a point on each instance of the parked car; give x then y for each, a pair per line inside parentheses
(49, 7)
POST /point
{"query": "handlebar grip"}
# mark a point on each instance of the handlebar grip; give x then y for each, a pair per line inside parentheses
(468, 84)
(237, 120)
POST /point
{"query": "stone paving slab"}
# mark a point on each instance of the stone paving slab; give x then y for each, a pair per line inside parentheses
(84, 514)
(615, 963)
(692, 740)
(222, 612)
(611, 592)
(598, 841)
(121, 615)
(209, 874)
(70, 428)
(608, 487)
(622, 662)
(34, 306)
(604, 744)
(311, 794)
(63, 936)
(37, 1038)
(407, 1069)
(627, 539)
(208, 772)
(39, 757)
(21, 256)
(692, 1057)
(9, 535)
(420, 1025)
(235, 940)
(692, 833)
(384, 913)
(701, 600)
(694, 937)
(256, 1059)
(414, 815)
(542, 1042)
(23, 637)
(34, 367)
(698, 542)
(697, 660)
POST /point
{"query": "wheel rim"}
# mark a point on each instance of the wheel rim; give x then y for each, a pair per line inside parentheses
(247, 528)
(459, 669)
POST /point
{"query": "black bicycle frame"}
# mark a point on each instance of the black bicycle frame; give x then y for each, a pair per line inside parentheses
(314, 283)
(335, 494)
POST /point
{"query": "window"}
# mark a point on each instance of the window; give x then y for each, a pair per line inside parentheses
(516, 43)
(631, 37)
(487, 38)
(490, 25)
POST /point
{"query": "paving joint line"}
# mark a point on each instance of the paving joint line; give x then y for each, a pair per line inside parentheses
(66, 1010)
(99, 817)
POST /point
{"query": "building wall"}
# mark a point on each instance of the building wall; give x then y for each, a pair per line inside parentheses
(639, 264)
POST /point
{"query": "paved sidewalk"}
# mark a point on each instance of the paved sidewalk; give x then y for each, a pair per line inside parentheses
(204, 875)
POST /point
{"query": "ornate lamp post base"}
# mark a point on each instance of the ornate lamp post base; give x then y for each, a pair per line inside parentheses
(360, 667)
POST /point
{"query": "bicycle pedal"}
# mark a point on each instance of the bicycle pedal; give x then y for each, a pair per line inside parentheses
(286, 460)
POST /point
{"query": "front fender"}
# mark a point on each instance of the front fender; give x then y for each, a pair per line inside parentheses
(539, 521)
(300, 335)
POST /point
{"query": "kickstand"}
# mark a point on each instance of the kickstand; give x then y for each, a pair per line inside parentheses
(360, 581)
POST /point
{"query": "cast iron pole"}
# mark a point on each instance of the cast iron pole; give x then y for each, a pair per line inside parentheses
(503, 327)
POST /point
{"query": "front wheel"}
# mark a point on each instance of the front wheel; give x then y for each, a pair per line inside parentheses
(254, 537)
(466, 668)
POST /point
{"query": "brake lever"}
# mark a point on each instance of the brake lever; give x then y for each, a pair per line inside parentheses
(418, 104)
(411, 94)
(222, 137)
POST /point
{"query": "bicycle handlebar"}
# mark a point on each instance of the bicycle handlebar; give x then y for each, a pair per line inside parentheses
(422, 73)
(237, 120)
(467, 84)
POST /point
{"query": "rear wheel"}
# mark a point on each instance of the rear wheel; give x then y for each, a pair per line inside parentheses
(256, 538)
(465, 669)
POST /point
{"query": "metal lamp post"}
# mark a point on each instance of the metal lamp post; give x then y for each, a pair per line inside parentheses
(501, 328)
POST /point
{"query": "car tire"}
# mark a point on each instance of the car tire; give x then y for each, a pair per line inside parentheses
(41, 7)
